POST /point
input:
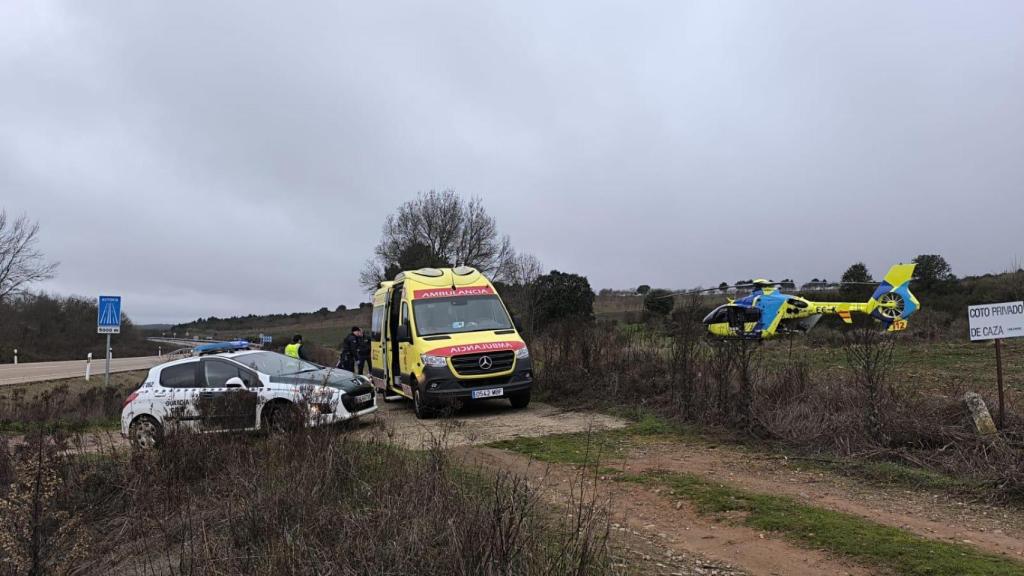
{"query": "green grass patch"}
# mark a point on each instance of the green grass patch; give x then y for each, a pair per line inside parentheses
(593, 448)
(839, 533)
(895, 474)
(50, 427)
(578, 449)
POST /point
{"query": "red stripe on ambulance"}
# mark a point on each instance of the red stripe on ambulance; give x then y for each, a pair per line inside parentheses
(476, 348)
(448, 292)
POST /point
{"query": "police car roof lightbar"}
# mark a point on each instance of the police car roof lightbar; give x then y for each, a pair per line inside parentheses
(220, 347)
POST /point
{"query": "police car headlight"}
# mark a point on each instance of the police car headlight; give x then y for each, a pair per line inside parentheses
(523, 353)
(434, 361)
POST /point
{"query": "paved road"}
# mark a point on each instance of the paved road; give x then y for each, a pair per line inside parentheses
(38, 371)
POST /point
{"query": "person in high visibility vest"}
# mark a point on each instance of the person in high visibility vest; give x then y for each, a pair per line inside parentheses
(295, 349)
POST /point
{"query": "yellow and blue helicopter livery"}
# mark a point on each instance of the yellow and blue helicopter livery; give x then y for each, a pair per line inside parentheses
(767, 313)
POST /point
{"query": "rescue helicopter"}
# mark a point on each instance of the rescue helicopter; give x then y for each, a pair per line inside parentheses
(767, 313)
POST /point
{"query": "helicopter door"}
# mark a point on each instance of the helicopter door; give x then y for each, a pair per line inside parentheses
(737, 318)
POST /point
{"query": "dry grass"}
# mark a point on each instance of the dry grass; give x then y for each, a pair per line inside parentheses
(312, 502)
(762, 392)
(69, 404)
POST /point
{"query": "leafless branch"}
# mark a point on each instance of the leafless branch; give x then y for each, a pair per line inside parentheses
(21, 263)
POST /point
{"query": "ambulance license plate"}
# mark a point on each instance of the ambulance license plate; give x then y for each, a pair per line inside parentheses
(362, 398)
(489, 393)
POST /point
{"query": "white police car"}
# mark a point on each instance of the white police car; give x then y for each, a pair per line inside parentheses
(243, 390)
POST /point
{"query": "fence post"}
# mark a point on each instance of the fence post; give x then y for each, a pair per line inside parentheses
(88, 366)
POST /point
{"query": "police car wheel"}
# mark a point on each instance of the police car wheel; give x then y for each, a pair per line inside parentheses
(281, 417)
(520, 400)
(423, 412)
(145, 433)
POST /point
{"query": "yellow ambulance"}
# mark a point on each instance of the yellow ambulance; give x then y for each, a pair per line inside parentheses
(441, 337)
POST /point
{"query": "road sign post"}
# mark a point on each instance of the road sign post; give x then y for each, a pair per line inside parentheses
(108, 321)
(995, 322)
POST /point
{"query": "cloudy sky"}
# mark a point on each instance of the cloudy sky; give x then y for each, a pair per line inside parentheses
(238, 157)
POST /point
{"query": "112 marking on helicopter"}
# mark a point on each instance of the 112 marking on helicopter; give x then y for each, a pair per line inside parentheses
(767, 313)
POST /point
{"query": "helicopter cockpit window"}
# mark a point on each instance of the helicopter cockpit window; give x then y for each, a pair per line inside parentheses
(718, 315)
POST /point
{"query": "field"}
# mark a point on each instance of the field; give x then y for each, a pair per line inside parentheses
(649, 458)
(940, 366)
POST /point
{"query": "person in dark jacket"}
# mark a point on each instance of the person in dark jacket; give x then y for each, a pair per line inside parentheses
(350, 350)
(363, 355)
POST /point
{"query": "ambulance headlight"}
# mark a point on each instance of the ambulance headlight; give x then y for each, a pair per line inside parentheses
(523, 353)
(434, 361)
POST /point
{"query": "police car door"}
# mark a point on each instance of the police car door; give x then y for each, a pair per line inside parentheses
(229, 395)
(179, 394)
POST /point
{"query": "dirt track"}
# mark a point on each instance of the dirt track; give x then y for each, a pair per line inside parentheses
(675, 525)
(486, 422)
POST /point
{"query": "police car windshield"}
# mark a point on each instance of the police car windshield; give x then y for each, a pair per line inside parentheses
(460, 314)
(274, 364)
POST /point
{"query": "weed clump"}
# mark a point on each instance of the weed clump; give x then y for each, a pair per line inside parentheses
(309, 502)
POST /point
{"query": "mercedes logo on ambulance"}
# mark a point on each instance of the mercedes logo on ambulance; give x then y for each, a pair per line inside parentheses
(486, 362)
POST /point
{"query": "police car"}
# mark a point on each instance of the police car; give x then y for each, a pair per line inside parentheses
(241, 390)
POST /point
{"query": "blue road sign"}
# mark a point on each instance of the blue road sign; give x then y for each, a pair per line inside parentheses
(108, 316)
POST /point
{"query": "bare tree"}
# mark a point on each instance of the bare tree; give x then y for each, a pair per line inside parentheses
(521, 269)
(521, 295)
(438, 229)
(21, 263)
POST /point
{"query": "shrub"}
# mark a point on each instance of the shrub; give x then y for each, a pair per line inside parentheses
(658, 302)
(562, 297)
(313, 502)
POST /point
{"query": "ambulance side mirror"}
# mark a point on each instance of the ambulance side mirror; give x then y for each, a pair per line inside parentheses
(517, 324)
(234, 382)
(403, 334)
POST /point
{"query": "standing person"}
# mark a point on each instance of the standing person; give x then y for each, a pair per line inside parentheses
(295, 349)
(363, 355)
(350, 350)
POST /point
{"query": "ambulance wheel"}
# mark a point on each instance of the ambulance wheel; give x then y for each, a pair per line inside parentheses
(423, 412)
(145, 433)
(520, 400)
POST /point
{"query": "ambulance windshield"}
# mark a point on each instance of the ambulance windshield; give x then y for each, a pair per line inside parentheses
(460, 314)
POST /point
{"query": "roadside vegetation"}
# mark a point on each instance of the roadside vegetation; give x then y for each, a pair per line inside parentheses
(313, 502)
(69, 405)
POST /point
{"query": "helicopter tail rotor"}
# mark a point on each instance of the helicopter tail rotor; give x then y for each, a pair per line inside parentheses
(892, 302)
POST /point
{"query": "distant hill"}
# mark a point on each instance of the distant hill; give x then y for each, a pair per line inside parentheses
(154, 327)
(323, 327)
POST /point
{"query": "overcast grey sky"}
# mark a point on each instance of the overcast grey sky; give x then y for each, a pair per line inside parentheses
(670, 143)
